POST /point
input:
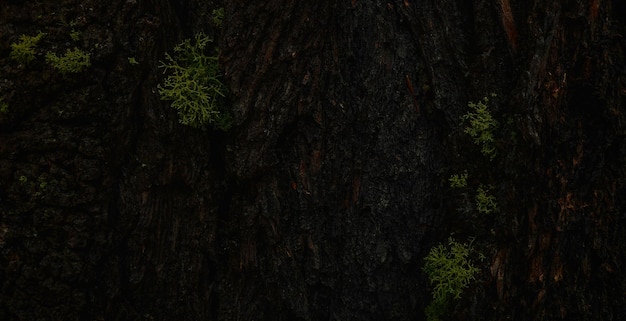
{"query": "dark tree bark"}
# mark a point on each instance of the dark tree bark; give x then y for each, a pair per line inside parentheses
(323, 199)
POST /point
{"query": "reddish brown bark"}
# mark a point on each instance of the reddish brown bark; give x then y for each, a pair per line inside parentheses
(322, 200)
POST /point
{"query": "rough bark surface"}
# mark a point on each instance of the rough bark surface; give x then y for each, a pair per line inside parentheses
(322, 200)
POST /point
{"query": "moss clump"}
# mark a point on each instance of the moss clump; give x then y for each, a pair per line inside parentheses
(75, 35)
(485, 202)
(458, 180)
(73, 61)
(23, 51)
(4, 107)
(481, 126)
(449, 271)
(193, 84)
(218, 17)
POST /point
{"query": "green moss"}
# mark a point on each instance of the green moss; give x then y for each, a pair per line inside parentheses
(218, 17)
(450, 272)
(458, 180)
(485, 202)
(75, 35)
(193, 85)
(4, 107)
(23, 51)
(74, 61)
(481, 126)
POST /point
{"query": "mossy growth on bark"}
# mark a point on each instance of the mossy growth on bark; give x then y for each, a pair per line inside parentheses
(193, 84)
(481, 126)
(23, 51)
(486, 203)
(450, 272)
(4, 107)
(458, 180)
(73, 61)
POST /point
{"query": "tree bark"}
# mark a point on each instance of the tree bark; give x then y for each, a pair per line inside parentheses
(323, 199)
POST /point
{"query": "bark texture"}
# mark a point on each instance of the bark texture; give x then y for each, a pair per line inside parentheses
(322, 200)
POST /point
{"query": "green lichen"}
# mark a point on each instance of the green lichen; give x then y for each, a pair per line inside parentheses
(481, 126)
(485, 202)
(458, 180)
(4, 107)
(73, 61)
(218, 17)
(75, 35)
(193, 85)
(450, 272)
(23, 51)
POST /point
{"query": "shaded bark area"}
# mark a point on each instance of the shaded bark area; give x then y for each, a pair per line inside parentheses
(323, 199)
(338, 167)
(571, 213)
(558, 70)
(107, 204)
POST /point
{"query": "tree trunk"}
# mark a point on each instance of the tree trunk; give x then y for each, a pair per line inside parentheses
(332, 186)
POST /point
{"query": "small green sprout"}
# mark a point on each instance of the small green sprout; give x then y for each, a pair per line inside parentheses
(23, 51)
(485, 202)
(74, 61)
(481, 126)
(132, 61)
